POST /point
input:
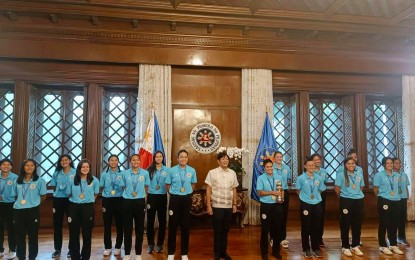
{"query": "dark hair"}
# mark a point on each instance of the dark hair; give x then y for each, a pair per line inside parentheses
(266, 161)
(152, 168)
(22, 173)
(6, 160)
(351, 150)
(136, 154)
(182, 151)
(58, 163)
(77, 178)
(394, 159)
(384, 161)
(276, 152)
(221, 155)
(307, 159)
(315, 155)
(346, 178)
(109, 158)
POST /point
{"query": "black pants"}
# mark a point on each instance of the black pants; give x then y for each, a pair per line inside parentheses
(285, 205)
(133, 211)
(221, 224)
(60, 209)
(388, 220)
(271, 225)
(351, 213)
(112, 208)
(81, 216)
(323, 213)
(179, 214)
(6, 221)
(27, 223)
(310, 225)
(403, 210)
(156, 204)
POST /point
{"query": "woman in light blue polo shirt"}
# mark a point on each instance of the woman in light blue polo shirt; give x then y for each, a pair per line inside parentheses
(82, 191)
(7, 180)
(30, 192)
(180, 182)
(112, 184)
(157, 202)
(349, 185)
(64, 172)
(386, 188)
(136, 182)
(309, 186)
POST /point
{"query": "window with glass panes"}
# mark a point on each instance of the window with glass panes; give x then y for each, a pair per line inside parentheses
(57, 118)
(6, 119)
(383, 131)
(330, 131)
(284, 128)
(119, 122)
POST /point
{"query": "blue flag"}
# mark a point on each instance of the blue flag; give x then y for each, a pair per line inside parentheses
(266, 147)
(158, 143)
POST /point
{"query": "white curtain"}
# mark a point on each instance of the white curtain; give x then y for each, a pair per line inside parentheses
(154, 92)
(257, 98)
(408, 113)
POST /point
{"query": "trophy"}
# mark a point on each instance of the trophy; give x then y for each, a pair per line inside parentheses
(279, 188)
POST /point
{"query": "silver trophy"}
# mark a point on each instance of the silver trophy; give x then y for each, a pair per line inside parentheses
(279, 188)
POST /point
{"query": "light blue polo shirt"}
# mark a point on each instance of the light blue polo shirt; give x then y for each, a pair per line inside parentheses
(359, 169)
(158, 181)
(310, 187)
(268, 183)
(135, 183)
(404, 182)
(28, 193)
(6, 188)
(284, 172)
(178, 178)
(349, 192)
(387, 184)
(60, 181)
(323, 174)
(111, 181)
(74, 191)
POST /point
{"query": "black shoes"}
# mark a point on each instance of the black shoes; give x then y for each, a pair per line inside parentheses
(226, 256)
(56, 254)
(150, 249)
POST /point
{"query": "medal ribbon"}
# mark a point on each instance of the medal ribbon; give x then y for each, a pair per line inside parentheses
(271, 185)
(391, 181)
(158, 173)
(25, 189)
(352, 178)
(134, 180)
(312, 186)
(59, 180)
(82, 188)
(183, 177)
(113, 180)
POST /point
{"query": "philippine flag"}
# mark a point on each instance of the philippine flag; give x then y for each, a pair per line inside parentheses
(151, 144)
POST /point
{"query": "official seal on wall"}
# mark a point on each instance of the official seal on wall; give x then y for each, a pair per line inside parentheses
(205, 138)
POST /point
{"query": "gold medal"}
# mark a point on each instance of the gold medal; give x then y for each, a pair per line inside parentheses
(81, 196)
(354, 186)
(182, 189)
(157, 187)
(23, 202)
(134, 194)
(113, 192)
(312, 196)
(392, 193)
(273, 197)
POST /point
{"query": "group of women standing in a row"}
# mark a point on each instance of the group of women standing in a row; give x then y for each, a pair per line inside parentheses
(390, 186)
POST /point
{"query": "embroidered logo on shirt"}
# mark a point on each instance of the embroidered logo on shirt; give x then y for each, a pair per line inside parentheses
(385, 207)
(264, 216)
(345, 211)
(141, 178)
(32, 186)
(9, 183)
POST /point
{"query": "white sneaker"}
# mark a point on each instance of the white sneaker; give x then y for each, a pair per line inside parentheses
(117, 251)
(126, 257)
(346, 252)
(170, 257)
(285, 243)
(356, 250)
(138, 257)
(385, 251)
(184, 257)
(396, 250)
(107, 252)
(11, 255)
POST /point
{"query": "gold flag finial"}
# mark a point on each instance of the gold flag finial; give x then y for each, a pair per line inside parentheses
(266, 108)
(152, 105)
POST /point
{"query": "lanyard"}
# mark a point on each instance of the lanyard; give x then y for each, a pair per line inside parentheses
(391, 181)
(271, 185)
(134, 178)
(113, 180)
(352, 179)
(82, 188)
(182, 176)
(61, 185)
(25, 189)
(158, 173)
(312, 186)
